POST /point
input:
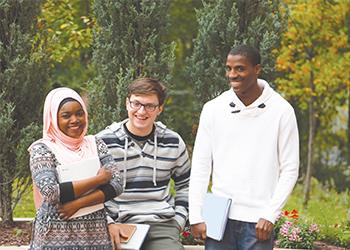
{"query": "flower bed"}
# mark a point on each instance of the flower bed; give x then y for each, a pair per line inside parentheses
(292, 232)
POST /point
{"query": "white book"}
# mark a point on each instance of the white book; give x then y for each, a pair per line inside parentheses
(215, 214)
(136, 240)
(77, 171)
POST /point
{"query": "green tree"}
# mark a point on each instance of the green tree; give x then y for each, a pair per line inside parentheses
(23, 77)
(65, 29)
(223, 24)
(128, 44)
(315, 73)
(183, 29)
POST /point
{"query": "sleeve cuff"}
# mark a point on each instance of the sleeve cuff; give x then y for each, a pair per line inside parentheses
(181, 221)
(271, 216)
(110, 220)
(66, 192)
(108, 191)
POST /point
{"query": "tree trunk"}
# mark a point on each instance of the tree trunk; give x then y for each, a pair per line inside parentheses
(309, 167)
(6, 203)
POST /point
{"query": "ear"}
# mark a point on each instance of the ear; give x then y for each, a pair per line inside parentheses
(258, 69)
(160, 109)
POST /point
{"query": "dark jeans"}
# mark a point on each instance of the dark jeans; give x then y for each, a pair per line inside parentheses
(239, 235)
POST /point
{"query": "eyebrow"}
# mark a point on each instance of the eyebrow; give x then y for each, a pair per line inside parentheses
(144, 103)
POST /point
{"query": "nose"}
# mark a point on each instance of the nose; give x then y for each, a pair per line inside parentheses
(74, 119)
(232, 73)
(141, 109)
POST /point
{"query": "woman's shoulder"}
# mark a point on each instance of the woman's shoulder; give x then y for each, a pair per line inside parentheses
(39, 146)
(41, 152)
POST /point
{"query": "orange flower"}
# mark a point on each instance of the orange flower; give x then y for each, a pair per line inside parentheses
(294, 214)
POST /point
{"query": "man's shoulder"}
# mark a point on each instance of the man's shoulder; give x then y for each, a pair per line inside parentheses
(166, 134)
(216, 103)
(281, 103)
(112, 133)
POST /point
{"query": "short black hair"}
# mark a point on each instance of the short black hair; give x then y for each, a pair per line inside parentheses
(251, 53)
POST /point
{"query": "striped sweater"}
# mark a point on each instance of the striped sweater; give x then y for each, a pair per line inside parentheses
(147, 173)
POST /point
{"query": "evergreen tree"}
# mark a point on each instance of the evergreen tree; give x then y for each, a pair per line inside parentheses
(128, 44)
(23, 74)
(224, 24)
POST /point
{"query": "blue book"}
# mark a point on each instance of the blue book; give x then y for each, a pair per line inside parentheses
(215, 213)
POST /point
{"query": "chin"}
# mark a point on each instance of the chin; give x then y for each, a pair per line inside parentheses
(235, 85)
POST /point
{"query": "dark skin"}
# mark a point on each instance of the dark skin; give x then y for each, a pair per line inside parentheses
(243, 78)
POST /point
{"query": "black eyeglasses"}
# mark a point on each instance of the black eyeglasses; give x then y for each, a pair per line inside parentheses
(148, 107)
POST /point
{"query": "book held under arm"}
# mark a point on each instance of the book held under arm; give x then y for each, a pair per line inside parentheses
(77, 171)
(215, 214)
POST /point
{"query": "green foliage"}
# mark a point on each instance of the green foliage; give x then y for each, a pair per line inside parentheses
(25, 207)
(64, 28)
(23, 77)
(327, 208)
(128, 44)
(224, 24)
(182, 30)
(313, 64)
(65, 31)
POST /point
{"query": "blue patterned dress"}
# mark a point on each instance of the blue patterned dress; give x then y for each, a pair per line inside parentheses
(88, 232)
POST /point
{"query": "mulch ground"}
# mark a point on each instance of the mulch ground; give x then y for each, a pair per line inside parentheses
(15, 235)
(20, 232)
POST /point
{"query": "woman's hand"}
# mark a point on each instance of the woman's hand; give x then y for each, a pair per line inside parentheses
(105, 175)
(66, 210)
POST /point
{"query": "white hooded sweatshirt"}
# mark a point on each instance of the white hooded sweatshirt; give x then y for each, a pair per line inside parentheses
(252, 153)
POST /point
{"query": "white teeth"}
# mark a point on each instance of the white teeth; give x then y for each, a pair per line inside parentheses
(141, 118)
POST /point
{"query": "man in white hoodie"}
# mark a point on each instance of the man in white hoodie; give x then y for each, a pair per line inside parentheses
(248, 142)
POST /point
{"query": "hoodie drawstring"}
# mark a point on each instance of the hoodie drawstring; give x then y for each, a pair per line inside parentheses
(155, 159)
(125, 161)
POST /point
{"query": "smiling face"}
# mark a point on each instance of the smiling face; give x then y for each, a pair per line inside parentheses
(71, 119)
(141, 116)
(242, 74)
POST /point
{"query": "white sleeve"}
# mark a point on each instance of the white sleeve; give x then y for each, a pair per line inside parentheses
(201, 166)
(288, 154)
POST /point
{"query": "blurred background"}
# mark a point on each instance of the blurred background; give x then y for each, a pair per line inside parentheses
(98, 47)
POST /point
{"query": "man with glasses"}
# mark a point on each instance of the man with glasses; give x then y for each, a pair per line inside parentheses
(149, 155)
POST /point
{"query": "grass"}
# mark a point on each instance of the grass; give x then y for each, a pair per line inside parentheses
(327, 208)
(25, 207)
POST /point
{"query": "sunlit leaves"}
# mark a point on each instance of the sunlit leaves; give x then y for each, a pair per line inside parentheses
(313, 43)
(64, 29)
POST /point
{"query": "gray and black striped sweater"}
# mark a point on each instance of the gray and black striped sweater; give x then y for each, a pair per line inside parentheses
(147, 173)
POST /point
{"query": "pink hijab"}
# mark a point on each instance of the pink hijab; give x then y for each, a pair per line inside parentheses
(65, 148)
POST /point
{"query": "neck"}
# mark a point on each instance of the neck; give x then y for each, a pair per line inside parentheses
(250, 95)
(138, 132)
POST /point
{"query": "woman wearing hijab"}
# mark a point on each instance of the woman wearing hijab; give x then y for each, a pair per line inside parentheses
(65, 143)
